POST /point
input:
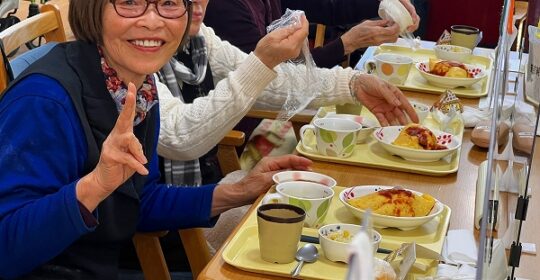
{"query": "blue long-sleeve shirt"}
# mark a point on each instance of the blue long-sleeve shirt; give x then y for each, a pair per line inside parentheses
(42, 155)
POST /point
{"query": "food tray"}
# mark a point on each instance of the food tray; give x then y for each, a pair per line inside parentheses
(372, 154)
(415, 81)
(242, 251)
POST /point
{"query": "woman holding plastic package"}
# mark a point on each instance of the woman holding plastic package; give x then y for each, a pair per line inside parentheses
(190, 100)
(78, 146)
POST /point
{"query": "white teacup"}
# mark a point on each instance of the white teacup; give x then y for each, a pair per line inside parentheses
(393, 68)
(368, 125)
(312, 197)
(335, 137)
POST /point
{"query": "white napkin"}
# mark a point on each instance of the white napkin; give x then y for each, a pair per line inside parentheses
(460, 247)
(360, 258)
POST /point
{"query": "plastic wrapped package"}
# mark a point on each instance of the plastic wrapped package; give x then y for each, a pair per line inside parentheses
(297, 100)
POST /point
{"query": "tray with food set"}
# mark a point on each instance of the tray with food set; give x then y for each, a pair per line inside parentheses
(479, 66)
(242, 251)
(378, 153)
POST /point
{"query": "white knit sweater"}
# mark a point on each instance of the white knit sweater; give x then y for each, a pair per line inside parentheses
(188, 131)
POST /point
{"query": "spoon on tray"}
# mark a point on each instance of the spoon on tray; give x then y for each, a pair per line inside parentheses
(307, 253)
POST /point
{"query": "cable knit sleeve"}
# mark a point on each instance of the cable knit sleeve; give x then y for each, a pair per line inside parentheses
(189, 130)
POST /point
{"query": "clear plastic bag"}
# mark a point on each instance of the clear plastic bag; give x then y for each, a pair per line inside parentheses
(297, 100)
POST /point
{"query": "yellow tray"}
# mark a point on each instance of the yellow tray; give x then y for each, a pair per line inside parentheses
(243, 249)
(371, 154)
(415, 81)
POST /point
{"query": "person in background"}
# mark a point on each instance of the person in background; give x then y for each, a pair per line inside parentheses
(244, 22)
(79, 135)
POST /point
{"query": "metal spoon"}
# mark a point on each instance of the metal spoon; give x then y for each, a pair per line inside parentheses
(307, 253)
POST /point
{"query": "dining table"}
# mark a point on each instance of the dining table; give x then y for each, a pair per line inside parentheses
(457, 190)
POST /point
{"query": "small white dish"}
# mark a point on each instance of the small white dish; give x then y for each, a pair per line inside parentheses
(450, 82)
(451, 52)
(386, 135)
(306, 176)
(383, 221)
(422, 110)
(337, 251)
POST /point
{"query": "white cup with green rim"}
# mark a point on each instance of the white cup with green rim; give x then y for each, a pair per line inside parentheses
(390, 67)
(335, 137)
(312, 197)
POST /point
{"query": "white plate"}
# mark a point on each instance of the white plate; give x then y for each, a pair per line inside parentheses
(383, 221)
(450, 82)
(307, 176)
(386, 135)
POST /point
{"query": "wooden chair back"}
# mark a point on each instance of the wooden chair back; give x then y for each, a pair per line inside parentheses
(47, 23)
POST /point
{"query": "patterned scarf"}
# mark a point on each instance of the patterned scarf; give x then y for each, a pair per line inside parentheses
(175, 73)
(146, 95)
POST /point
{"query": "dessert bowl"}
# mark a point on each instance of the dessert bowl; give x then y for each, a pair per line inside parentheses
(336, 249)
(451, 52)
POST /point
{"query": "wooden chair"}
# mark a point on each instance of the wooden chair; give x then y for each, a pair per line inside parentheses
(48, 24)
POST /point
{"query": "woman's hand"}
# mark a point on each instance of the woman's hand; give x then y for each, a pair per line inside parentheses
(282, 44)
(369, 33)
(416, 19)
(383, 99)
(256, 182)
(121, 156)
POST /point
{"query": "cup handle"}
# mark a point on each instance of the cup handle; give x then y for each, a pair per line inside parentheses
(370, 66)
(302, 131)
(272, 197)
(478, 39)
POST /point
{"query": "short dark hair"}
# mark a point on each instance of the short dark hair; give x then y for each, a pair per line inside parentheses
(86, 19)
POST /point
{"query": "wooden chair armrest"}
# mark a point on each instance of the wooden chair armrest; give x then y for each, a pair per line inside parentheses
(196, 249)
(233, 138)
(227, 155)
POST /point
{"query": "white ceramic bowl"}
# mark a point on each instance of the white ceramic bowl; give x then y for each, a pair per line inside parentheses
(386, 135)
(383, 221)
(306, 176)
(451, 52)
(338, 251)
(450, 82)
(368, 125)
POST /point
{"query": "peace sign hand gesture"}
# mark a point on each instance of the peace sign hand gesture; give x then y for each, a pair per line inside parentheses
(121, 156)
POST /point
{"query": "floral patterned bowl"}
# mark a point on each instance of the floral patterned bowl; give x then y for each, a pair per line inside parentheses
(386, 135)
(383, 221)
(450, 82)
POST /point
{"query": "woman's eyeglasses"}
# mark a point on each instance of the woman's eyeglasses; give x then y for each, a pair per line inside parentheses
(170, 9)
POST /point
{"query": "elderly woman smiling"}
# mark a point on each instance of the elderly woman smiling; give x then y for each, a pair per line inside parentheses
(78, 146)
